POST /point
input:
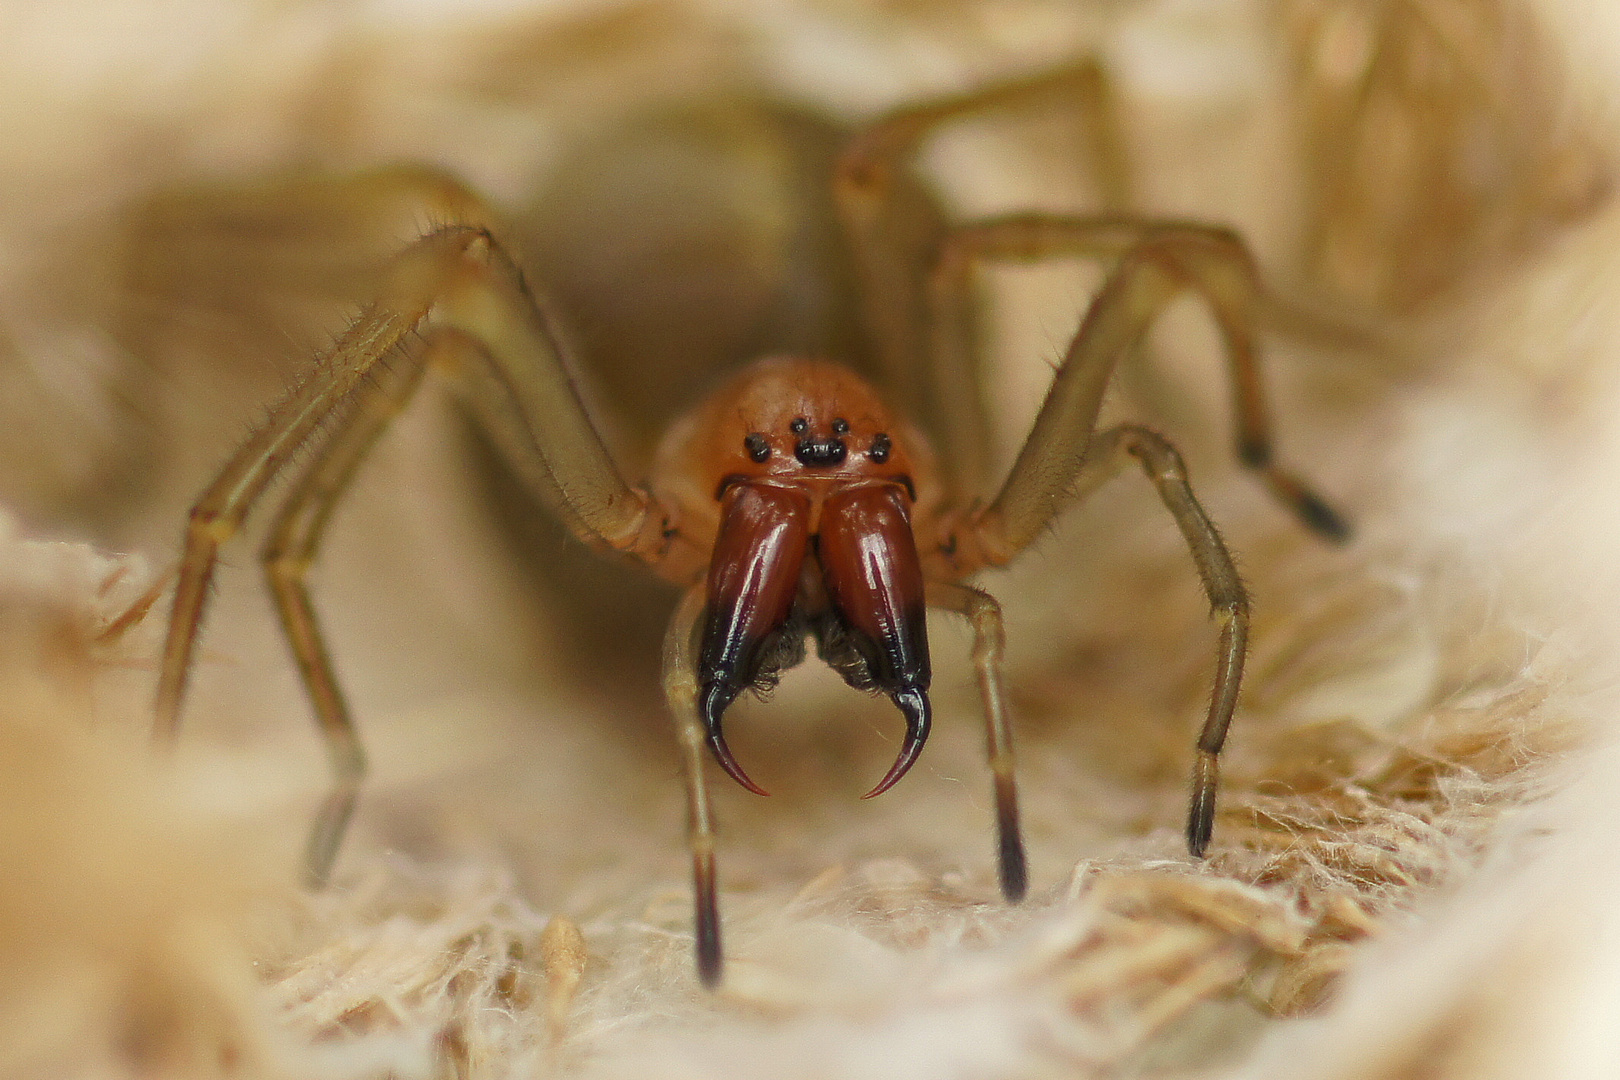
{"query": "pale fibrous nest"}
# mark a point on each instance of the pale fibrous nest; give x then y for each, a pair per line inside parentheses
(1410, 869)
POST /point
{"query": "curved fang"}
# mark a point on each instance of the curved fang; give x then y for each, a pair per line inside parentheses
(714, 700)
(914, 704)
(875, 581)
(753, 579)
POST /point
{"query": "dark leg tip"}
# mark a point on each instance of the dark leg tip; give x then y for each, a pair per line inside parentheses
(1011, 864)
(706, 920)
(1310, 508)
(1321, 518)
(1255, 455)
(1206, 781)
(1013, 868)
(709, 962)
(1201, 820)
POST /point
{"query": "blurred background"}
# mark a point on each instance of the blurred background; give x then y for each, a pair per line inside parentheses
(196, 198)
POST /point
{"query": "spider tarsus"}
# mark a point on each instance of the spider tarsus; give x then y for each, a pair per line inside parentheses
(1199, 832)
(1321, 518)
(320, 853)
(710, 959)
(1012, 866)
(1310, 508)
(1201, 811)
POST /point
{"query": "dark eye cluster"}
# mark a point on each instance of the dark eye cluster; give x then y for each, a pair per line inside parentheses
(818, 452)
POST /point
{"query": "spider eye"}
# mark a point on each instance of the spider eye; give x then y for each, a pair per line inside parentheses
(799, 426)
(758, 449)
(881, 445)
(840, 426)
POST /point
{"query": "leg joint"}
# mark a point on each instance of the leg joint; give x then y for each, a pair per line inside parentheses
(348, 759)
(283, 561)
(208, 525)
(1230, 605)
(1160, 457)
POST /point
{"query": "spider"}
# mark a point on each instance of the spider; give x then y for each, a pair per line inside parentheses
(795, 502)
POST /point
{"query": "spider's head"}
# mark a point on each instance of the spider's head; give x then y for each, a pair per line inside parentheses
(810, 420)
(806, 423)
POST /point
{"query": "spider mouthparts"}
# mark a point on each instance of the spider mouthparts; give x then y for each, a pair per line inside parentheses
(716, 697)
(914, 704)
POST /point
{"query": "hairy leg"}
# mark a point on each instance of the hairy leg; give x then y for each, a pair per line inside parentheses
(894, 232)
(681, 692)
(454, 279)
(1098, 460)
(1156, 260)
(300, 417)
(289, 552)
(989, 642)
(1063, 461)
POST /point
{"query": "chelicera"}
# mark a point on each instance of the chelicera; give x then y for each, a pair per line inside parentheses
(796, 503)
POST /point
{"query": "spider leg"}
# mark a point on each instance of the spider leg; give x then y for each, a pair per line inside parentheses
(681, 692)
(1156, 260)
(984, 615)
(456, 288)
(894, 232)
(1062, 463)
(1228, 601)
(225, 504)
(463, 280)
(526, 394)
(290, 550)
